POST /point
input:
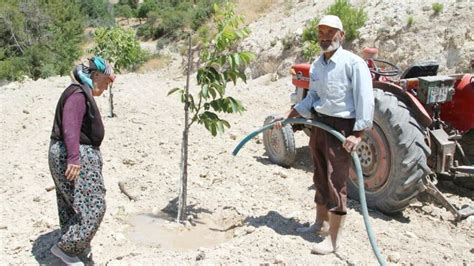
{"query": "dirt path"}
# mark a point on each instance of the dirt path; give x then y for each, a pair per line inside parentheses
(261, 203)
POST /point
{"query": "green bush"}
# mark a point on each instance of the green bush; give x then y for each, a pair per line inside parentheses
(39, 38)
(310, 40)
(98, 12)
(352, 18)
(437, 8)
(146, 7)
(124, 11)
(120, 47)
(170, 18)
(132, 3)
(12, 68)
(310, 50)
(410, 21)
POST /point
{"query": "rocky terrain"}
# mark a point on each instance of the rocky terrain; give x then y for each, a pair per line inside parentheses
(244, 209)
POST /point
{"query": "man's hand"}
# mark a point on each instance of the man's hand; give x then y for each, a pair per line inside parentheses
(278, 124)
(351, 143)
(72, 171)
(290, 114)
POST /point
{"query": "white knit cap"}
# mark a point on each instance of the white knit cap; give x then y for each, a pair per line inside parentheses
(331, 21)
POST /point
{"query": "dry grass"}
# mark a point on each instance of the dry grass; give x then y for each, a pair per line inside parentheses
(154, 63)
(252, 9)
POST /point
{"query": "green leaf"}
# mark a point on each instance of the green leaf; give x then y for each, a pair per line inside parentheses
(215, 105)
(212, 91)
(225, 123)
(173, 91)
(213, 129)
(247, 57)
(242, 75)
(236, 59)
(205, 91)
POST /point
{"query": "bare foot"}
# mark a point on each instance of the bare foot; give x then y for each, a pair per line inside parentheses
(317, 228)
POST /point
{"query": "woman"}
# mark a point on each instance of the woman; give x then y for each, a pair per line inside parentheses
(75, 161)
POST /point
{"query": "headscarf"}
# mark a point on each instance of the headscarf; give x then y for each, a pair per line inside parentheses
(82, 73)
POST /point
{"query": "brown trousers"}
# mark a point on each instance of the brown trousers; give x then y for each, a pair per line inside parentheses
(331, 164)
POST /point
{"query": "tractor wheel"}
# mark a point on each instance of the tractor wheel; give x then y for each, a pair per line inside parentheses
(393, 156)
(280, 144)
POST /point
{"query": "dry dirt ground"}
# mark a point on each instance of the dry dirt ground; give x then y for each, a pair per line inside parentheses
(243, 210)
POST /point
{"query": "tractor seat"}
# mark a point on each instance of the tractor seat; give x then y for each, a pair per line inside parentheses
(422, 69)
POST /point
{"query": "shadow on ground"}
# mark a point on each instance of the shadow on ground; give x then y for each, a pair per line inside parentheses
(41, 246)
(281, 225)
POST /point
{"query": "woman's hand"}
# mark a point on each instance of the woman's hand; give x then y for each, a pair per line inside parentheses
(72, 171)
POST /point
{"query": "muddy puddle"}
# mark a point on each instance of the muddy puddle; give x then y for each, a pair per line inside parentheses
(162, 231)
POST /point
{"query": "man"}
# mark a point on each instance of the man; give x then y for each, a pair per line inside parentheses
(340, 96)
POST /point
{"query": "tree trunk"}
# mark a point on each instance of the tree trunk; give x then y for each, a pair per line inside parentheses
(183, 188)
(111, 102)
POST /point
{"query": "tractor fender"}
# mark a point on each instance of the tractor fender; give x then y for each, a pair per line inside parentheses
(417, 108)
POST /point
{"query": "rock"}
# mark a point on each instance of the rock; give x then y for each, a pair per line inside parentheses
(426, 8)
(411, 235)
(274, 77)
(239, 232)
(416, 204)
(249, 229)
(26, 112)
(281, 174)
(470, 219)
(128, 162)
(278, 259)
(427, 209)
(394, 257)
(201, 255)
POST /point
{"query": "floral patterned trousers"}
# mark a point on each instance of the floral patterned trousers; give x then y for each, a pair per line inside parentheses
(81, 203)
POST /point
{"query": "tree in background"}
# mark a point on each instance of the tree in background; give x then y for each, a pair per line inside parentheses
(220, 62)
(98, 12)
(121, 48)
(165, 18)
(39, 38)
(124, 11)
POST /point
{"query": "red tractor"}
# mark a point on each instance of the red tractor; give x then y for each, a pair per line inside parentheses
(423, 128)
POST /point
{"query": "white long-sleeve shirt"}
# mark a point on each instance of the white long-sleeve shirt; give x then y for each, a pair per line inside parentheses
(340, 87)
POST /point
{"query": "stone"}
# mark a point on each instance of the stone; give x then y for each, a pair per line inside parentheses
(249, 229)
(411, 235)
(427, 209)
(394, 257)
(278, 259)
(201, 255)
